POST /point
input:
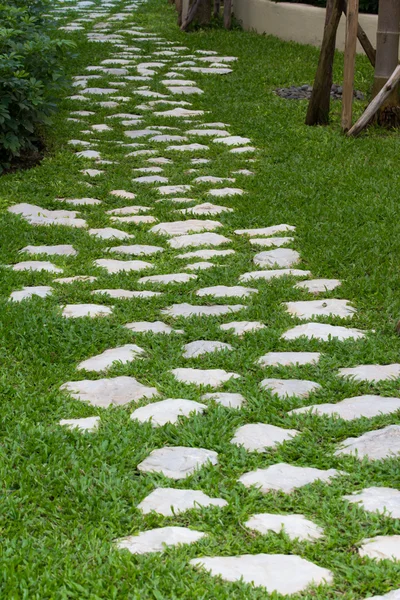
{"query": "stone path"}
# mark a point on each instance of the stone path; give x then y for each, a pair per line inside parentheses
(200, 234)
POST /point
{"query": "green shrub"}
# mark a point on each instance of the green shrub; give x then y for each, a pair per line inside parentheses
(31, 75)
(367, 6)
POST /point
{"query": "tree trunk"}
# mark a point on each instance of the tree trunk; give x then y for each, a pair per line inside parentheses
(387, 58)
(203, 15)
(178, 6)
(227, 14)
(217, 8)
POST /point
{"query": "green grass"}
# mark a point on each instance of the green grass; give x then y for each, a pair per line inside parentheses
(65, 495)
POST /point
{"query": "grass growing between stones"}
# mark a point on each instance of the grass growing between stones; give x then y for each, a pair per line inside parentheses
(66, 495)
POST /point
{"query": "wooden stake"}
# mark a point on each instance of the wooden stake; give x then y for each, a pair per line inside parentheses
(376, 103)
(349, 63)
(227, 14)
(364, 40)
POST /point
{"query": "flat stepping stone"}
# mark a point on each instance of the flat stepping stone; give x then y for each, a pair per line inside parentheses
(170, 501)
(290, 388)
(138, 133)
(122, 266)
(316, 308)
(232, 140)
(381, 547)
(137, 219)
(109, 233)
(167, 190)
(185, 90)
(128, 210)
(179, 228)
(229, 400)
(256, 437)
(207, 70)
(281, 573)
(180, 113)
(151, 327)
(323, 332)
(80, 201)
(123, 194)
(75, 311)
(394, 595)
(93, 154)
(225, 291)
(224, 192)
(373, 445)
(213, 179)
(177, 462)
(377, 499)
(167, 279)
(124, 294)
(243, 150)
(317, 286)
(116, 391)
(137, 249)
(288, 359)
(266, 231)
(199, 266)
(168, 138)
(150, 179)
(189, 310)
(86, 424)
(29, 291)
(281, 257)
(354, 408)
(92, 172)
(285, 478)
(201, 347)
(156, 540)
(198, 239)
(99, 91)
(167, 411)
(242, 327)
(36, 265)
(59, 250)
(209, 132)
(83, 278)
(207, 208)
(100, 362)
(268, 275)
(206, 254)
(296, 527)
(270, 242)
(372, 372)
(208, 377)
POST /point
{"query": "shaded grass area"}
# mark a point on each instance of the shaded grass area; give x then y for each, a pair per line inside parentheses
(67, 496)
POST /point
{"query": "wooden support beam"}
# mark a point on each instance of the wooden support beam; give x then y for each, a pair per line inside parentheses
(364, 40)
(227, 14)
(349, 63)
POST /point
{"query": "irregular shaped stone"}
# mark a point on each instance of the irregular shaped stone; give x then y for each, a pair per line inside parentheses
(84, 278)
(242, 327)
(207, 208)
(377, 499)
(170, 501)
(394, 595)
(367, 406)
(198, 239)
(374, 445)
(229, 400)
(323, 332)
(167, 411)
(233, 140)
(266, 231)
(268, 275)
(212, 377)
(223, 192)
(189, 310)
(288, 359)
(122, 266)
(123, 194)
(36, 265)
(116, 391)
(285, 478)
(151, 327)
(109, 233)
(166, 190)
(256, 437)
(185, 90)
(151, 179)
(179, 113)
(316, 286)
(270, 242)
(281, 257)
(200, 347)
(168, 138)
(99, 91)
(315, 308)
(199, 266)
(137, 219)
(75, 311)
(89, 154)
(294, 526)
(243, 150)
(167, 279)
(92, 172)
(137, 133)
(381, 547)
(206, 254)
(289, 388)
(137, 249)
(122, 354)
(128, 210)
(124, 294)
(285, 574)
(225, 291)
(208, 132)
(177, 462)
(59, 250)
(372, 372)
(156, 540)
(178, 228)
(28, 292)
(85, 424)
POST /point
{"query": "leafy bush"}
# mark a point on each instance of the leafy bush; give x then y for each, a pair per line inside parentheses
(30, 75)
(367, 6)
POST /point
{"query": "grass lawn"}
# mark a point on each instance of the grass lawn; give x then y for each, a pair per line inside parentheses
(65, 496)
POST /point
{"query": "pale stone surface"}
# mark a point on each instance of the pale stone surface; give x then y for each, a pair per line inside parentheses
(124, 294)
(207, 208)
(178, 228)
(229, 400)
(270, 242)
(170, 501)
(212, 179)
(85, 424)
(286, 478)
(242, 327)
(223, 192)
(200, 347)
(206, 254)
(28, 291)
(367, 406)
(295, 526)
(381, 547)
(288, 359)
(198, 239)
(167, 279)
(150, 179)
(199, 266)
(225, 291)
(122, 266)
(212, 377)
(75, 311)
(116, 391)
(281, 257)
(155, 540)
(315, 308)
(188, 148)
(316, 286)
(100, 362)
(167, 411)
(137, 219)
(151, 327)
(323, 332)
(284, 388)
(36, 265)
(256, 437)
(186, 90)
(209, 132)
(80, 201)
(137, 249)
(233, 140)
(166, 190)
(372, 372)
(109, 233)
(123, 194)
(243, 150)
(374, 445)
(168, 138)
(189, 310)
(128, 210)
(84, 278)
(394, 595)
(59, 250)
(266, 231)
(285, 574)
(179, 112)
(177, 462)
(268, 275)
(138, 133)
(377, 499)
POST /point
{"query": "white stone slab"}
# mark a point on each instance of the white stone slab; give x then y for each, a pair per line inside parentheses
(128, 210)
(86, 424)
(137, 219)
(36, 265)
(233, 140)
(256, 437)
(229, 400)
(122, 294)
(109, 233)
(122, 354)
(225, 291)
(170, 501)
(206, 254)
(156, 540)
(316, 286)
(167, 411)
(189, 310)
(178, 228)
(198, 239)
(199, 266)
(208, 132)
(381, 547)
(207, 208)
(151, 327)
(122, 266)
(294, 526)
(367, 406)
(116, 391)
(185, 90)
(285, 574)
(288, 388)
(167, 190)
(59, 250)
(279, 258)
(177, 462)
(75, 311)
(28, 292)
(394, 595)
(84, 278)
(123, 194)
(150, 179)
(137, 249)
(374, 445)
(225, 192)
(242, 327)
(316, 308)
(268, 275)
(168, 279)
(288, 359)
(377, 499)
(323, 332)
(207, 377)
(201, 347)
(372, 372)
(286, 478)
(271, 242)
(179, 113)
(266, 231)
(243, 150)
(138, 133)
(93, 154)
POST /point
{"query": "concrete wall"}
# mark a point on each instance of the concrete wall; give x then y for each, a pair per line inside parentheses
(295, 22)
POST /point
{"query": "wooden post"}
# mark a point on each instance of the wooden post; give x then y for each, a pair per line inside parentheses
(185, 10)
(227, 14)
(363, 39)
(349, 63)
(217, 8)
